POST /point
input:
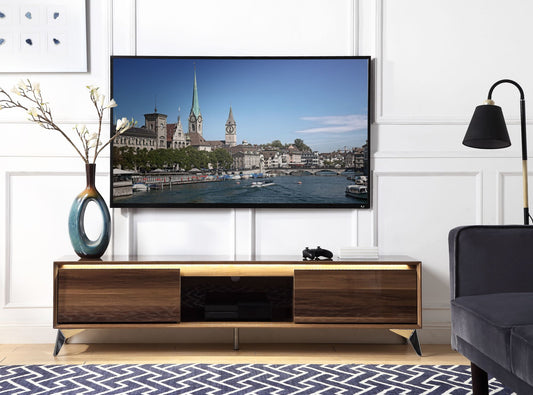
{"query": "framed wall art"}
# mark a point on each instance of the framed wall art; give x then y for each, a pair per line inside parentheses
(43, 36)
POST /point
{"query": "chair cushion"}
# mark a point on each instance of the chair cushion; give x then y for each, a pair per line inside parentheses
(486, 321)
(522, 352)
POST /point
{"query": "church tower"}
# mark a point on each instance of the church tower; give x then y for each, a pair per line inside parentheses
(157, 123)
(195, 117)
(178, 139)
(231, 130)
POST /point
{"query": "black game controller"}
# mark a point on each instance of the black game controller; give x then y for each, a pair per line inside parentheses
(314, 254)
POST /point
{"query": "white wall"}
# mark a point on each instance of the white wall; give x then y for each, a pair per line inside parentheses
(433, 62)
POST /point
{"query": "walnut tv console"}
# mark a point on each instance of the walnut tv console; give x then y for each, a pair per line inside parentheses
(269, 292)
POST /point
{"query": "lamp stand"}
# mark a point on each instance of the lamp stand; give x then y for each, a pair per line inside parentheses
(524, 156)
(524, 183)
(524, 142)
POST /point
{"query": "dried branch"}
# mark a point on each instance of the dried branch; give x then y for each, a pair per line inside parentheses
(40, 113)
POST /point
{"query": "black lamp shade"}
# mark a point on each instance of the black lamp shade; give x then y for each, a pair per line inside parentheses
(487, 128)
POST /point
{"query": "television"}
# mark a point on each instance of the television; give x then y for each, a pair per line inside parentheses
(241, 132)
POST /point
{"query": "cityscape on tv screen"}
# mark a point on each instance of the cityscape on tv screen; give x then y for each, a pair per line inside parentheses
(241, 132)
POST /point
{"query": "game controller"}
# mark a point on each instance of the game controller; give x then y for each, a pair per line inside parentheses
(314, 254)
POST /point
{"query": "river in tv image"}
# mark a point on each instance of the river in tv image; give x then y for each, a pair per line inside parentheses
(285, 190)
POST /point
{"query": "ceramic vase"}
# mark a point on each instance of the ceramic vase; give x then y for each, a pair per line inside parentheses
(83, 246)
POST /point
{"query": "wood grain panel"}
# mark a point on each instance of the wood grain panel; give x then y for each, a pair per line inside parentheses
(118, 296)
(355, 296)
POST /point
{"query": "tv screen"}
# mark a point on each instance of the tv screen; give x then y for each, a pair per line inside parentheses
(247, 132)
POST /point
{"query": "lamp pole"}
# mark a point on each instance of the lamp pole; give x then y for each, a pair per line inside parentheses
(524, 140)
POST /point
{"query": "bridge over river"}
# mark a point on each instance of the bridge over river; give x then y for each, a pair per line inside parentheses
(309, 171)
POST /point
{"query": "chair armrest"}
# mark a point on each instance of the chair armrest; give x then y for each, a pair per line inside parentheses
(490, 259)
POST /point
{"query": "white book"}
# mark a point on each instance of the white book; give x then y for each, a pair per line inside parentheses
(358, 253)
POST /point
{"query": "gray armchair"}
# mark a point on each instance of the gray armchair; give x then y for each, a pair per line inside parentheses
(491, 281)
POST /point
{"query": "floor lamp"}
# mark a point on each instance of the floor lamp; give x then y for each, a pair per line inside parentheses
(487, 130)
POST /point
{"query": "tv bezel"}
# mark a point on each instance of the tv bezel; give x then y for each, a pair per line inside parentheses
(367, 205)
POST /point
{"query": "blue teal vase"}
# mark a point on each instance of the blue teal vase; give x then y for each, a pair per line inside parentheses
(83, 246)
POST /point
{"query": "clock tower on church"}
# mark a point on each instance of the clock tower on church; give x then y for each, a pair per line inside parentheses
(195, 116)
(231, 130)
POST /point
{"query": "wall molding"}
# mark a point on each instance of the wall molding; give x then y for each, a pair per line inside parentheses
(500, 178)
(478, 175)
(408, 119)
(8, 303)
(354, 12)
(60, 121)
(127, 9)
(21, 306)
(477, 154)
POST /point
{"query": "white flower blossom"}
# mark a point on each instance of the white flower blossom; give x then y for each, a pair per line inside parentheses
(92, 143)
(121, 123)
(15, 90)
(92, 136)
(82, 130)
(111, 104)
(21, 85)
(33, 112)
(93, 92)
(95, 96)
(37, 88)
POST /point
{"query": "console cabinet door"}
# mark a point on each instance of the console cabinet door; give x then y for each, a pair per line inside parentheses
(355, 296)
(117, 296)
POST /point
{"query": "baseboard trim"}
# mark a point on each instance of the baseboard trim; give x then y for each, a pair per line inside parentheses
(27, 334)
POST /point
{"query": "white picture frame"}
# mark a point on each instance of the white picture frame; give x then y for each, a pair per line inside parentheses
(43, 36)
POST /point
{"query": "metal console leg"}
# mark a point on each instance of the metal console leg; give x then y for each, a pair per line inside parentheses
(412, 338)
(235, 339)
(63, 336)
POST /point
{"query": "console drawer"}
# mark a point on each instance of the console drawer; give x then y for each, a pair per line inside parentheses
(117, 295)
(355, 296)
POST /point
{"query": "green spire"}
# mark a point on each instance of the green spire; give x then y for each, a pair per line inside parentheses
(195, 104)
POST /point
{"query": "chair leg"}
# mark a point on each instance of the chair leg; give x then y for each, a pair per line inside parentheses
(480, 380)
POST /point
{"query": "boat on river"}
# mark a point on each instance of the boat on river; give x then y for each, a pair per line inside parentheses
(357, 191)
(261, 184)
(139, 187)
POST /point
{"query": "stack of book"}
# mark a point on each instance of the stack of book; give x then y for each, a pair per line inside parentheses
(358, 253)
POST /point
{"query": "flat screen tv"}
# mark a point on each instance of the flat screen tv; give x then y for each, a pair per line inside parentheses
(250, 132)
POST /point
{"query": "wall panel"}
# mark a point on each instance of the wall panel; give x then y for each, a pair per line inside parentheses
(66, 92)
(245, 28)
(40, 175)
(184, 232)
(511, 201)
(437, 58)
(417, 209)
(288, 232)
(38, 205)
(269, 29)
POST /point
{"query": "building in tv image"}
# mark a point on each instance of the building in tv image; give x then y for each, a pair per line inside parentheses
(241, 132)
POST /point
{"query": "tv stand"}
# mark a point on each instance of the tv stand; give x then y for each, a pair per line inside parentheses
(274, 292)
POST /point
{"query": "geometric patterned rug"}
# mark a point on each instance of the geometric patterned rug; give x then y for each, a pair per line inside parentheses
(224, 379)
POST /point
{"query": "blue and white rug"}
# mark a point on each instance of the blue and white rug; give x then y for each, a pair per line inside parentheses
(238, 379)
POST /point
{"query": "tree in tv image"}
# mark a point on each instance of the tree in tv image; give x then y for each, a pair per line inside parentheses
(258, 132)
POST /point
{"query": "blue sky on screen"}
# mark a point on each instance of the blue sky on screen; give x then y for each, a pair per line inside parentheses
(321, 101)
